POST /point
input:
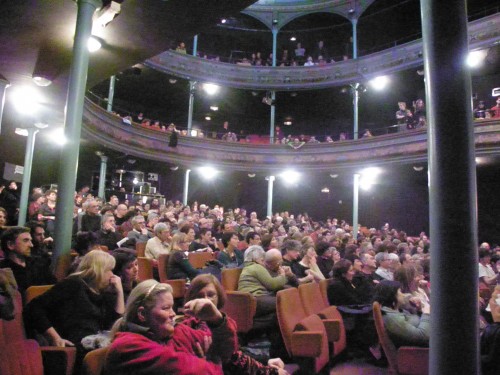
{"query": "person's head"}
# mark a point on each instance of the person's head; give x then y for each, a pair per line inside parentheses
(230, 238)
(51, 195)
(291, 249)
(406, 275)
(484, 256)
(254, 254)
(108, 222)
(383, 260)
(16, 242)
(323, 249)
(253, 238)
(39, 198)
(13, 185)
(162, 231)
(386, 293)
(205, 235)
(179, 242)
(113, 201)
(138, 222)
(356, 262)
(91, 207)
(368, 261)
(126, 266)
(402, 105)
(405, 258)
(307, 241)
(206, 286)
(343, 270)
(37, 232)
(121, 210)
(3, 217)
(273, 260)
(96, 268)
(189, 232)
(150, 305)
(308, 252)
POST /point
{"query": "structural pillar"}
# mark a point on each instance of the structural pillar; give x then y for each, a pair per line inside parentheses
(73, 125)
(270, 184)
(111, 94)
(102, 177)
(4, 83)
(186, 187)
(273, 93)
(355, 206)
(192, 87)
(454, 337)
(354, 22)
(25, 188)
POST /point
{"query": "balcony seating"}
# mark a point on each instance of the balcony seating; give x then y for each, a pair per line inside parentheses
(19, 356)
(406, 360)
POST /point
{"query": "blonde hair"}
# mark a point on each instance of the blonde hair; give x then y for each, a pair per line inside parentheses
(93, 267)
(144, 294)
(176, 239)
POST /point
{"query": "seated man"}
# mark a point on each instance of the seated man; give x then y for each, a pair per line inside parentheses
(273, 262)
(107, 235)
(366, 279)
(159, 243)
(90, 219)
(16, 244)
(384, 266)
(204, 242)
(139, 232)
(487, 275)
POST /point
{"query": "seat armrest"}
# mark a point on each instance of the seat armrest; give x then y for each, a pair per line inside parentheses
(332, 327)
(58, 361)
(307, 343)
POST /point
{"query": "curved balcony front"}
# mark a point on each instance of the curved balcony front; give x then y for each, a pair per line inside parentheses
(483, 33)
(401, 148)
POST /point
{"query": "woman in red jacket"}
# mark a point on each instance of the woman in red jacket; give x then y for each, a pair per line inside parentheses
(147, 341)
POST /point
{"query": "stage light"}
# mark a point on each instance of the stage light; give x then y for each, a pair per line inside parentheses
(208, 173)
(223, 21)
(476, 58)
(379, 83)
(214, 108)
(369, 177)
(93, 44)
(26, 99)
(194, 133)
(293, 39)
(210, 88)
(208, 118)
(290, 176)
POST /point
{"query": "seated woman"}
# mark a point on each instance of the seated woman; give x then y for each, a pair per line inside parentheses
(341, 290)
(490, 339)
(308, 264)
(207, 286)
(86, 302)
(404, 329)
(127, 269)
(412, 297)
(147, 341)
(230, 257)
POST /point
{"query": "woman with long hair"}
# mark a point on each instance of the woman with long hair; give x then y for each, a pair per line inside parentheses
(147, 340)
(127, 269)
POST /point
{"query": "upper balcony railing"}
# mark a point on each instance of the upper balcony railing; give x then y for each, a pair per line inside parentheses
(483, 33)
(405, 147)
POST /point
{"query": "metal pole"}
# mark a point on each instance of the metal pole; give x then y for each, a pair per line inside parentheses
(355, 206)
(186, 188)
(28, 163)
(273, 93)
(355, 104)
(195, 45)
(270, 183)
(73, 126)
(4, 83)
(454, 336)
(111, 94)
(102, 178)
(192, 86)
(354, 22)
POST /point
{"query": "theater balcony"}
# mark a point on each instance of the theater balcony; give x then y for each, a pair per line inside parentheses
(403, 147)
(483, 33)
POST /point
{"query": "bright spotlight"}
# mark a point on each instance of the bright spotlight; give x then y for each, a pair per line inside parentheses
(379, 83)
(223, 20)
(210, 88)
(58, 137)
(26, 99)
(290, 176)
(293, 39)
(194, 133)
(135, 181)
(208, 173)
(368, 177)
(208, 118)
(214, 108)
(476, 58)
(93, 44)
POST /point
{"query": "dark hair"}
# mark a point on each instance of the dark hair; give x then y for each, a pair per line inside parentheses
(201, 281)
(185, 228)
(251, 236)
(266, 241)
(483, 253)
(322, 247)
(386, 293)
(341, 268)
(11, 234)
(84, 242)
(226, 237)
(405, 275)
(290, 245)
(123, 257)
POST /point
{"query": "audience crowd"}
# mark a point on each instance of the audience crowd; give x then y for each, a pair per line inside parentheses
(283, 251)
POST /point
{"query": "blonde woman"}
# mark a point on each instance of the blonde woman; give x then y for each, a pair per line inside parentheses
(147, 341)
(86, 302)
(308, 264)
(178, 263)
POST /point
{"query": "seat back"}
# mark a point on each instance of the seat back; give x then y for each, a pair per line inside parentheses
(140, 247)
(178, 286)
(230, 278)
(312, 300)
(323, 287)
(162, 267)
(63, 265)
(290, 312)
(20, 358)
(387, 345)
(198, 259)
(93, 363)
(35, 291)
(241, 307)
(145, 268)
